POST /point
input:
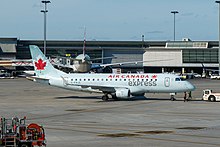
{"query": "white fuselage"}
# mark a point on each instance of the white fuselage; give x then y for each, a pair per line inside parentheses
(136, 83)
(116, 85)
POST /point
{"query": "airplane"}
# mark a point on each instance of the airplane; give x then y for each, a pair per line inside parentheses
(113, 86)
(83, 63)
(16, 62)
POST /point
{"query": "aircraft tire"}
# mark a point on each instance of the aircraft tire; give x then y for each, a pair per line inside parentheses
(172, 98)
(114, 97)
(105, 97)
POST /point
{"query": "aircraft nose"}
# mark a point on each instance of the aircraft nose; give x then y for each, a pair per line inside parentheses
(191, 87)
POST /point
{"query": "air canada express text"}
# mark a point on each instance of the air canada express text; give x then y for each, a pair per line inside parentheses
(132, 76)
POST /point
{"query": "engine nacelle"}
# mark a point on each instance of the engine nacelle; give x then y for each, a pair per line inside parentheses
(123, 93)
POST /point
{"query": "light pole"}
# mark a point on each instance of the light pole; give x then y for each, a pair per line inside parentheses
(45, 23)
(142, 41)
(218, 40)
(174, 24)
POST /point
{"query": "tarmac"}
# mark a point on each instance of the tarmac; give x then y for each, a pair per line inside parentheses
(73, 119)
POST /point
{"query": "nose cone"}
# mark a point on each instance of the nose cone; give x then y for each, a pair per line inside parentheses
(191, 87)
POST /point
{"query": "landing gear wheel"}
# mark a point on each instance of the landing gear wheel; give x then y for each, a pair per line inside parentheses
(172, 98)
(105, 97)
(114, 97)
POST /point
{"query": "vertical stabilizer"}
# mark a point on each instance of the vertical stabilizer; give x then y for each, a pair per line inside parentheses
(84, 43)
(42, 66)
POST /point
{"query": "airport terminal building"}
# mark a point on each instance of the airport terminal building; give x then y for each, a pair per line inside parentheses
(157, 56)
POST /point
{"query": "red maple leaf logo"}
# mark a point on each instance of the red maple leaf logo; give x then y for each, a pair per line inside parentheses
(40, 64)
(154, 76)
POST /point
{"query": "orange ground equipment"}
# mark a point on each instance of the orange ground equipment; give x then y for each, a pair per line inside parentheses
(15, 133)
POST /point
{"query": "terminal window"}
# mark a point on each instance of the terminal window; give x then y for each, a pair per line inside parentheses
(200, 56)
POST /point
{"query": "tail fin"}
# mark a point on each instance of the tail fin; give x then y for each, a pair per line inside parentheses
(42, 66)
(84, 43)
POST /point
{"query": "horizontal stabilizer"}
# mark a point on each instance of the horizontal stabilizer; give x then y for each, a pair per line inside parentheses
(39, 80)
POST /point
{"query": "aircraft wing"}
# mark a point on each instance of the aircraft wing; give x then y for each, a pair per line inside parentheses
(132, 62)
(104, 88)
(101, 88)
(104, 58)
(61, 65)
(16, 62)
(212, 70)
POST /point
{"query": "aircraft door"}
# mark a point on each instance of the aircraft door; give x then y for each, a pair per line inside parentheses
(65, 81)
(167, 81)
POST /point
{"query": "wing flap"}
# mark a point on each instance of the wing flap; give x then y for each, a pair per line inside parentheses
(104, 88)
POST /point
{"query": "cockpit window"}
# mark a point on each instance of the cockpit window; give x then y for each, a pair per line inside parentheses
(177, 79)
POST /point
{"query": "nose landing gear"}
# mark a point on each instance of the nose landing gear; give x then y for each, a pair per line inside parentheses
(172, 98)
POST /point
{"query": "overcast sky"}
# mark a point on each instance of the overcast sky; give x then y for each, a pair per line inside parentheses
(110, 19)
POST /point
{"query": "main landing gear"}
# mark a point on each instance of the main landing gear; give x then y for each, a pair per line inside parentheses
(107, 96)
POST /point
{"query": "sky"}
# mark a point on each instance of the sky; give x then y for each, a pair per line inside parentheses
(110, 20)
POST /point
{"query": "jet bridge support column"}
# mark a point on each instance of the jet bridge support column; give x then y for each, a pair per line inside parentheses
(162, 69)
(183, 70)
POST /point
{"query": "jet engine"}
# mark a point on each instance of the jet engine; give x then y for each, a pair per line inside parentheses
(123, 93)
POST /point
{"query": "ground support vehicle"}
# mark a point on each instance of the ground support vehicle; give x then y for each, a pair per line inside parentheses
(215, 76)
(15, 133)
(208, 95)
